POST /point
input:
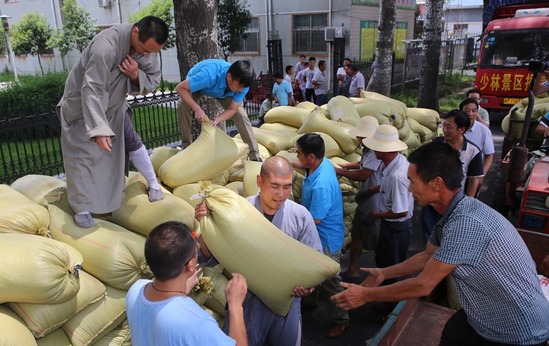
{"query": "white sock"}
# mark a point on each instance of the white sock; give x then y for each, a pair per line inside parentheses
(142, 162)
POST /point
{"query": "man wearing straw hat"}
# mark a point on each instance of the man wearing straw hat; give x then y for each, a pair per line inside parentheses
(396, 203)
(367, 171)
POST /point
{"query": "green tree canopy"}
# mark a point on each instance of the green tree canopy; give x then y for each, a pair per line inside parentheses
(31, 36)
(78, 28)
(163, 10)
(233, 18)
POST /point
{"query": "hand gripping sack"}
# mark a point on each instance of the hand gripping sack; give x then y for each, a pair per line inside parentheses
(273, 263)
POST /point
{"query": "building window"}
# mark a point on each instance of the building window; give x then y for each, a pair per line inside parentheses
(460, 30)
(249, 42)
(308, 33)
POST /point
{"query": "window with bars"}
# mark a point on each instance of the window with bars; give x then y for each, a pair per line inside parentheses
(249, 42)
(308, 33)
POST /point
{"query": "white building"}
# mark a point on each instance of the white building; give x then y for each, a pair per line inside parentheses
(462, 18)
(300, 25)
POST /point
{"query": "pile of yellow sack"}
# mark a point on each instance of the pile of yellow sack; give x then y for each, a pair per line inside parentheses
(64, 285)
(513, 122)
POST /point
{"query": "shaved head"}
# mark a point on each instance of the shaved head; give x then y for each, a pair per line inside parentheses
(276, 165)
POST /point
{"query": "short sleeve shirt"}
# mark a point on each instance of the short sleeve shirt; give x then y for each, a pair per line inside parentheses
(495, 278)
(369, 161)
(309, 77)
(282, 92)
(394, 194)
(321, 195)
(320, 78)
(471, 160)
(210, 78)
(481, 136)
(357, 82)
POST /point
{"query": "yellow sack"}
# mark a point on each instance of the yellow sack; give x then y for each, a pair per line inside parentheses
(307, 105)
(352, 157)
(342, 109)
(119, 336)
(14, 332)
(41, 189)
(287, 115)
(280, 128)
(273, 141)
(20, 214)
(425, 134)
(216, 299)
(331, 148)
(426, 117)
(412, 141)
(237, 187)
(317, 122)
(212, 153)
(273, 263)
(185, 192)
(380, 106)
(98, 319)
(37, 270)
(42, 319)
(55, 338)
(111, 253)
(138, 214)
(160, 155)
(251, 171)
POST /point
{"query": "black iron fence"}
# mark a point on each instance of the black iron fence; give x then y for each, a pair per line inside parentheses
(31, 144)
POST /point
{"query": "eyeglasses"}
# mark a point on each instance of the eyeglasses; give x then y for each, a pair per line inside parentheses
(447, 126)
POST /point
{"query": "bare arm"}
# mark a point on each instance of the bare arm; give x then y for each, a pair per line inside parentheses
(355, 174)
(184, 91)
(229, 112)
(236, 293)
(542, 130)
(472, 186)
(487, 162)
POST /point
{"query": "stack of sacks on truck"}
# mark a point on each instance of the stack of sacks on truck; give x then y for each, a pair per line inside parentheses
(517, 114)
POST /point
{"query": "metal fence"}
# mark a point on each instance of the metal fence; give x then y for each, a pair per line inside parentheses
(32, 145)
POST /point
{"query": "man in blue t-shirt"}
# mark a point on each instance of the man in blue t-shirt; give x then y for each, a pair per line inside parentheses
(160, 312)
(321, 195)
(282, 90)
(228, 84)
(493, 272)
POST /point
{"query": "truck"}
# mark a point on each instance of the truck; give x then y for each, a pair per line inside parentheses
(515, 35)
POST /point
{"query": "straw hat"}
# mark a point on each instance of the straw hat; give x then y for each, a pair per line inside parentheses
(385, 140)
(365, 127)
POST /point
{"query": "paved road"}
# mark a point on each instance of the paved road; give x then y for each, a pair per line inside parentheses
(362, 329)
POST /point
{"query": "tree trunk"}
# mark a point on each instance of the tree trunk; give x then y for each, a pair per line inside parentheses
(196, 40)
(430, 58)
(380, 79)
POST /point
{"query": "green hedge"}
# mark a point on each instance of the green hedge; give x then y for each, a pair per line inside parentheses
(32, 95)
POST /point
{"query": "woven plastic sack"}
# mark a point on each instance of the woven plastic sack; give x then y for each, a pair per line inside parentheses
(42, 319)
(185, 192)
(425, 134)
(251, 171)
(339, 131)
(307, 105)
(287, 115)
(14, 332)
(280, 128)
(237, 187)
(426, 117)
(331, 148)
(379, 106)
(215, 299)
(55, 338)
(119, 336)
(342, 109)
(138, 214)
(41, 189)
(111, 253)
(404, 131)
(98, 319)
(245, 242)
(273, 141)
(37, 270)
(160, 155)
(212, 153)
(20, 214)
